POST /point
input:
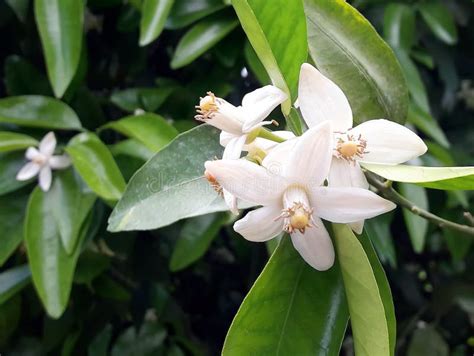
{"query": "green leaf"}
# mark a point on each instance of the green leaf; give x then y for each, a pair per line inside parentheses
(171, 186)
(378, 229)
(417, 226)
(185, 12)
(370, 327)
(12, 281)
(20, 8)
(10, 165)
(96, 165)
(51, 267)
(38, 111)
(150, 129)
(292, 309)
(60, 27)
(200, 38)
(439, 19)
(12, 212)
(132, 148)
(9, 319)
(148, 99)
(294, 122)
(154, 15)
(90, 266)
(444, 178)
(428, 125)
(100, 345)
(278, 35)
(399, 25)
(347, 49)
(458, 244)
(195, 238)
(12, 141)
(146, 341)
(22, 78)
(255, 65)
(427, 341)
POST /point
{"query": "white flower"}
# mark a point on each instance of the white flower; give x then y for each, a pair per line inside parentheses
(42, 161)
(289, 186)
(376, 141)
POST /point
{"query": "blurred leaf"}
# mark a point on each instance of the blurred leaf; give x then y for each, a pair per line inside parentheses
(21, 78)
(10, 165)
(171, 186)
(416, 225)
(107, 288)
(70, 343)
(96, 166)
(427, 341)
(200, 38)
(150, 129)
(60, 27)
(195, 238)
(444, 178)
(255, 65)
(12, 281)
(12, 141)
(38, 111)
(378, 229)
(428, 125)
(278, 36)
(185, 12)
(439, 19)
(348, 50)
(51, 267)
(399, 25)
(148, 99)
(20, 8)
(370, 327)
(144, 342)
(292, 309)
(10, 312)
(100, 345)
(12, 212)
(90, 266)
(132, 148)
(154, 15)
(458, 243)
(423, 57)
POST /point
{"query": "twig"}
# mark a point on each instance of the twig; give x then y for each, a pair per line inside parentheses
(386, 190)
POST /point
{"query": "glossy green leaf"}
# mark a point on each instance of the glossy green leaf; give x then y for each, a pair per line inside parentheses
(96, 165)
(277, 33)
(195, 238)
(200, 38)
(348, 50)
(444, 178)
(428, 125)
(185, 12)
(22, 78)
(256, 67)
(439, 19)
(370, 327)
(12, 141)
(416, 225)
(51, 266)
(148, 99)
(399, 25)
(10, 165)
(60, 27)
(12, 281)
(427, 341)
(12, 212)
(292, 309)
(38, 111)
(150, 129)
(378, 229)
(132, 148)
(154, 15)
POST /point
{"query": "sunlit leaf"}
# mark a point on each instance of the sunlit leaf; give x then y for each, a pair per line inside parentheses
(154, 15)
(12, 141)
(185, 12)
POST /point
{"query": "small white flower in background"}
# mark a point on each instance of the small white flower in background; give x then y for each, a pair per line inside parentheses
(374, 141)
(42, 162)
(289, 186)
(238, 122)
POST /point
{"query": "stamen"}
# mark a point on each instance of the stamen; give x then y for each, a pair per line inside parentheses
(297, 217)
(207, 106)
(350, 147)
(213, 182)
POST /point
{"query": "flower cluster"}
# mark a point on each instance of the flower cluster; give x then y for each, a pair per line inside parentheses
(304, 179)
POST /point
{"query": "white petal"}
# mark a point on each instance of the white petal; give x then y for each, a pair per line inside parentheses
(260, 224)
(268, 145)
(32, 153)
(260, 103)
(231, 202)
(45, 178)
(320, 99)
(227, 117)
(59, 162)
(389, 142)
(346, 174)
(310, 159)
(247, 181)
(357, 227)
(48, 144)
(315, 246)
(28, 171)
(347, 205)
(279, 155)
(234, 147)
(225, 137)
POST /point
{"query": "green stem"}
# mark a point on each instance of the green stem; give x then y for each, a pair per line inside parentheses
(386, 190)
(264, 133)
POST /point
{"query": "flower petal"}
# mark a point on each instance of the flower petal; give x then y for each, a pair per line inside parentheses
(267, 145)
(347, 205)
(315, 246)
(389, 142)
(48, 144)
(310, 159)
(247, 181)
(278, 156)
(234, 147)
(31, 153)
(231, 202)
(59, 162)
(320, 99)
(45, 178)
(28, 171)
(346, 174)
(225, 137)
(260, 103)
(357, 226)
(260, 225)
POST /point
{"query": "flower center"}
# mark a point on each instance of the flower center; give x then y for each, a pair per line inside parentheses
(206, 107)
(213, 182)
(39, 159)
(297, 214)
(349, 147)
